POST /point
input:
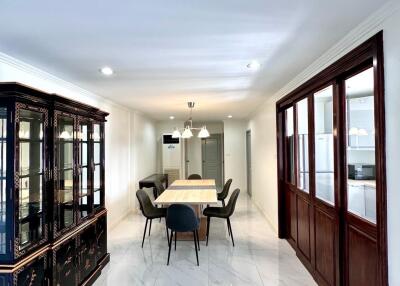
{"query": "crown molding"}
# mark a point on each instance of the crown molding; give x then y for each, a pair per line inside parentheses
(365, 30)
(36, 72)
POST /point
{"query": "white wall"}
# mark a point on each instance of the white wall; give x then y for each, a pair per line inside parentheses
(263, 159)
(262, 125)
(235, 153)
(119, 143)
(143, 151)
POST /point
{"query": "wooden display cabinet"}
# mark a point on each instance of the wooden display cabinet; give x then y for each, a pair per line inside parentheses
(52, 213)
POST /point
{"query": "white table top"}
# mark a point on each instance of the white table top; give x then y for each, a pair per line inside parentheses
(206, 193)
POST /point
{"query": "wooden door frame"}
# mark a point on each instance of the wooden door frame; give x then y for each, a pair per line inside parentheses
(370, 51)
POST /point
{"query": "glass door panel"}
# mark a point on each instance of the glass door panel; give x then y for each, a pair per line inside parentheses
(64, 177)
(97, 165)
(289, 138)
(360, 135)
(3, 178)
(302, 146)
(83, 169)
(31, 177)
(323, 142)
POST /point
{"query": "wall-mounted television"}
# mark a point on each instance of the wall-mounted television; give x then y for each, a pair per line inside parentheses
(167, 139)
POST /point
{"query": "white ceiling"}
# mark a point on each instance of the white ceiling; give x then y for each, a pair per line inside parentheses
(166, 52)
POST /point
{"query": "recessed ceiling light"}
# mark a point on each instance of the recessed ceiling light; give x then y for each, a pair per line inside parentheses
(230, 116)
(106, 71)
(253, 65)
(172, 117)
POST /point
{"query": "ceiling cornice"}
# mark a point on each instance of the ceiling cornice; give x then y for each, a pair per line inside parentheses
(36, 72)
(368, 28)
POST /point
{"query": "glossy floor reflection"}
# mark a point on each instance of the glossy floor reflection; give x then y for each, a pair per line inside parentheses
(258, 258)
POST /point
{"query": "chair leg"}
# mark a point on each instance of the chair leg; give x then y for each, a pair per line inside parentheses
(151, 220)
(169, 246)
(195, 246)
(198, 240)
(175, 240)
(144, 233)
(166, 229)
(230, 227)
(208, 229)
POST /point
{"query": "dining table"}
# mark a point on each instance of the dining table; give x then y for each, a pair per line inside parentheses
(197, 193)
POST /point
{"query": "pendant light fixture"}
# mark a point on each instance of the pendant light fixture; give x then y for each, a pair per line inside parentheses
(187, 131)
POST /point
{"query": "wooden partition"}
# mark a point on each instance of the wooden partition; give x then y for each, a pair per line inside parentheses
(331, 170)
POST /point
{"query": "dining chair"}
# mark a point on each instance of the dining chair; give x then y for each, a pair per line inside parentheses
(194, 177)
(182, 218)
(225, 191)
(149, 211)
(222, 212)
(159, 188)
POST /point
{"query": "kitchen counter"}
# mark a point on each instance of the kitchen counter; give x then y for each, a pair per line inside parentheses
(366, 183)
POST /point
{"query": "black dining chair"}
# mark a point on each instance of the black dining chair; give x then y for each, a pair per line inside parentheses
(182, 218)
(224, 212)
(225, 191)
(159, 188)
(149, 211)
(194, 177)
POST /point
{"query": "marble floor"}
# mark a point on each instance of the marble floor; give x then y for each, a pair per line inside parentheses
(258, 258)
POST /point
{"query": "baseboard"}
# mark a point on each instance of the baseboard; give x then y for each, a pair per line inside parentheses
(111, 226)
(265, 215)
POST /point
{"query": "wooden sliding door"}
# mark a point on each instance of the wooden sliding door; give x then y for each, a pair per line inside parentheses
(331, 170)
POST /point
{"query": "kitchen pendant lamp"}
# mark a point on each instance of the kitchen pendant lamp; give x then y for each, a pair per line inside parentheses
(203, 133)
(187, 131)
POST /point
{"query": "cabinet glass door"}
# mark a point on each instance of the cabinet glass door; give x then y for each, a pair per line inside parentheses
(3, 178)
(360, 151)
(64, 172)
(289, 138)
(303, 174)
(84, 186)
(98, 192)
(31, 177)
(323, 144)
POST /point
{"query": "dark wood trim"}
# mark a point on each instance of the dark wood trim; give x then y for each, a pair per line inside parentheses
(354, 58)
(96, 273)
(380, 157)
(30, 94)
(368, 54)
(282, 231)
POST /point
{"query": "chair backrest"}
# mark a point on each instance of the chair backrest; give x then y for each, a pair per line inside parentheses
(194, 177)
(225, 190)
(181, 218)
(159, 187)
(230, 207)
(146, 206)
